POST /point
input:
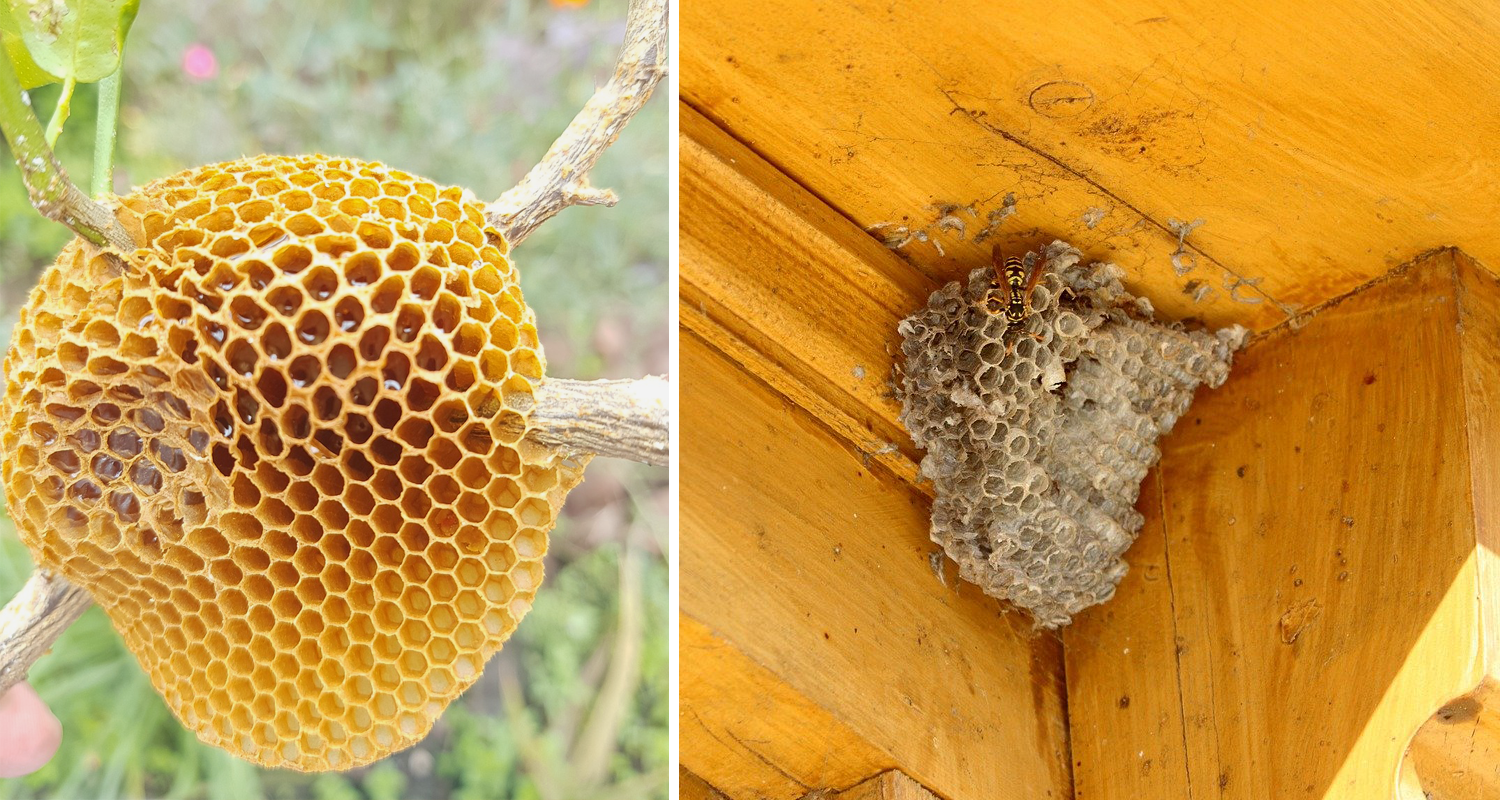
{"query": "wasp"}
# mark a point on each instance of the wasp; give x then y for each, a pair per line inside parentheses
(1012, 294)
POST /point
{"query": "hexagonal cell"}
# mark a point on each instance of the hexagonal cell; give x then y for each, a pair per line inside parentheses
(309, 623)
(472, 507)
(441, 652)
(499, 557)
(258, 596)
(526, 576)
(414, 633)
(470, 572)
(469, 606)
(498, 588)
(415, 568)
(442, 619)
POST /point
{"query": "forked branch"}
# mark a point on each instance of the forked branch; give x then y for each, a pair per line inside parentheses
(561, 179)
(54, 196)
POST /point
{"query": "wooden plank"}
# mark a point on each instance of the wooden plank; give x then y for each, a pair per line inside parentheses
(1315, 168)
(1320, 547)
(1479, 315)
(1456, 755)
(752, 736)
(817, 569)
(795, 292)
(1124, 700)
(1329, 577)
(692, 787)
(892, 785)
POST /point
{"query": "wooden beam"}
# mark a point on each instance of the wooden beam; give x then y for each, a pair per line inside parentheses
(692, 787)
(751, 735)
(787, 287)
(849, 639)
(1315, 169)
(818, 570)
(1321, 575)
(1456, 754)
(1124, 700)
(892, 785)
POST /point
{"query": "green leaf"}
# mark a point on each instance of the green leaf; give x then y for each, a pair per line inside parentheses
(79, 39)
(30, 74)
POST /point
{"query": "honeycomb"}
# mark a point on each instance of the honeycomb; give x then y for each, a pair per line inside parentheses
(1037, 440)
(284, 450)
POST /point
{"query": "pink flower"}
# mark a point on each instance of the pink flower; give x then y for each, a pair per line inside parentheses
(199, 63)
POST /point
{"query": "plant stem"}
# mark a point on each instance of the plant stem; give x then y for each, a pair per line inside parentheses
(105, 132)
(52, 194)
(60, 114)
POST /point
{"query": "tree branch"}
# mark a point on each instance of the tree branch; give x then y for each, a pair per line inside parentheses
(31, 622)
(561, 178)
(620, 419)
(54, 196)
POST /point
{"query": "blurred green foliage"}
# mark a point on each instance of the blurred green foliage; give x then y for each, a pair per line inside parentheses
(463, 92)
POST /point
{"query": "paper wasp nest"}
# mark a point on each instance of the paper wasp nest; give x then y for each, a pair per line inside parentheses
(1037, 456)
(284, 450)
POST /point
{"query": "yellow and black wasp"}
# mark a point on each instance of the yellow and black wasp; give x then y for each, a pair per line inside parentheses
(1012, 294)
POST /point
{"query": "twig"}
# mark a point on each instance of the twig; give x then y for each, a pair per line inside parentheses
(53, 195)
(31, 622)
(620, 419)
(561, 178)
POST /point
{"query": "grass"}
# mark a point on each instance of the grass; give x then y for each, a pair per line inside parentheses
(463, 92)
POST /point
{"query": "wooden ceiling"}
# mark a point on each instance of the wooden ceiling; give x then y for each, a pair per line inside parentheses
(1321, 144)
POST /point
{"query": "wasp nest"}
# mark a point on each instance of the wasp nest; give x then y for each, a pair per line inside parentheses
(1037, 452)
(283, 449)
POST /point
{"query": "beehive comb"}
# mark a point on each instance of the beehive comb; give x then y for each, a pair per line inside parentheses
(285, 452)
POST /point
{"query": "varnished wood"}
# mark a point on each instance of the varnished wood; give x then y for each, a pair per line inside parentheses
(692, 787)
(793, 291)
(817, 569)
(751, 735)
(1456, 754)
(892, 785)
(1322, 580)
(1124, 699)
(1316, 167)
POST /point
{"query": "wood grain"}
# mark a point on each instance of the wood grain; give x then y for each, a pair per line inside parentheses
(892, 785)
(692, 787)
(1319, 160)
(817, 569)
(795, 292)
(1347, 546)
(1321, 569)
(1124, 696)
(1456, 754)
(751, 735)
